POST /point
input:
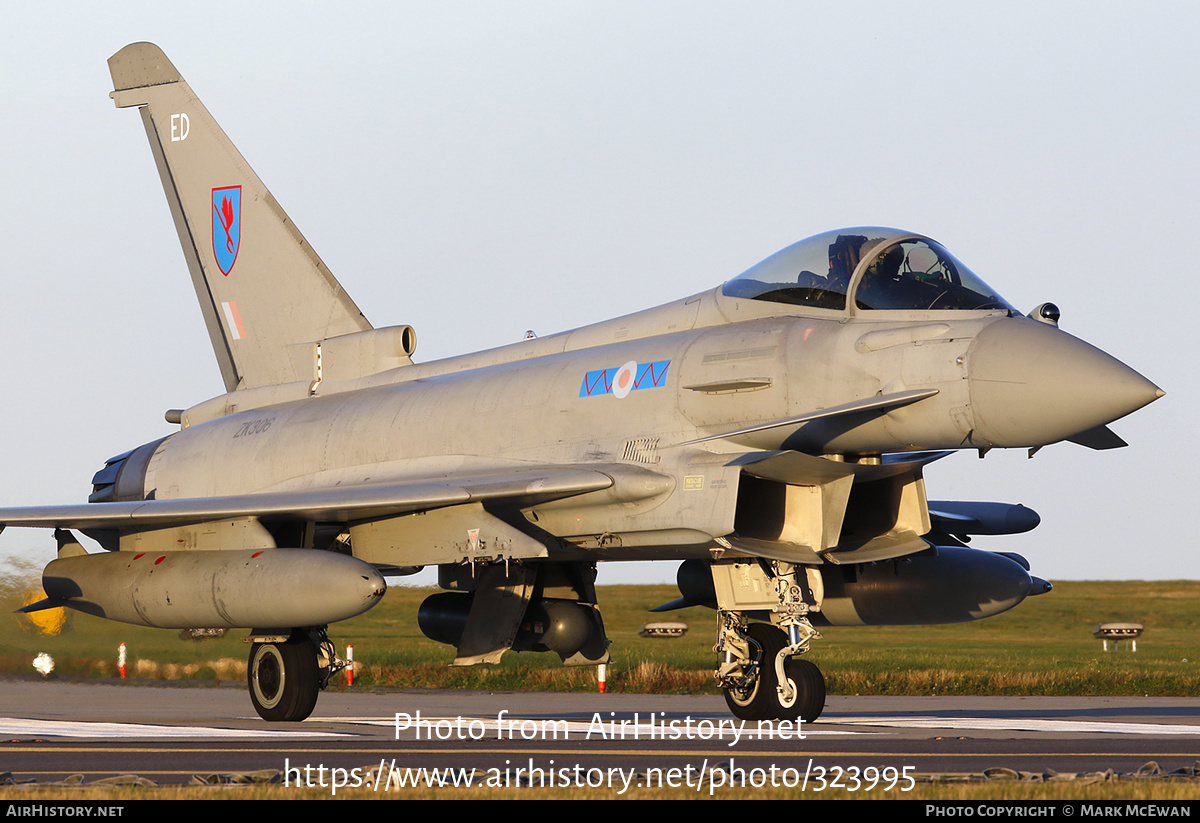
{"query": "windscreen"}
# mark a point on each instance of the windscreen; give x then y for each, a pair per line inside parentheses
(920, 274)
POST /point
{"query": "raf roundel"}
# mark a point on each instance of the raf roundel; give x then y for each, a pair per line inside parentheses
(623, 380)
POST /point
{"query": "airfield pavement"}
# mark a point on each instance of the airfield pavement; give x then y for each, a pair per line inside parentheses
(53, 729)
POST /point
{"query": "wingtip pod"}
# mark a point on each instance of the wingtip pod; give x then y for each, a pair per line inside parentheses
(141, 64)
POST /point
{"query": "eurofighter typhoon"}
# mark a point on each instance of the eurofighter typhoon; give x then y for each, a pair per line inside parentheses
(770, 433)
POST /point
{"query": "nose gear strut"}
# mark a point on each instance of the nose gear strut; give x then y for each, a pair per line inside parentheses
(760, 671)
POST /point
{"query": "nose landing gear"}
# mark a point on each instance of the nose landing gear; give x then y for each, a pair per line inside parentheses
(759, 672)
(752, 685)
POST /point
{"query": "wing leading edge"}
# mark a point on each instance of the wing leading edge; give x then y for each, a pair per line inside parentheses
(522, 488)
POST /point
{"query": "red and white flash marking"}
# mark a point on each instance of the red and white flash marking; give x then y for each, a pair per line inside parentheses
(623, 380)
(234, 320)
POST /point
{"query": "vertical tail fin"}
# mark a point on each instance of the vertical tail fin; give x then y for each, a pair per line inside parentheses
(262, 289)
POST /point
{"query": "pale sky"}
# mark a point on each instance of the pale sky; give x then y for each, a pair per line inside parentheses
(479, 169)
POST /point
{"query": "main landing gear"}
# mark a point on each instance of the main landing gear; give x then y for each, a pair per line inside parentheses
(287, 671)
(759, 672)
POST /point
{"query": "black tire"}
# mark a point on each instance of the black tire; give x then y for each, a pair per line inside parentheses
(759, 701)
(809, 685)
(283, 679)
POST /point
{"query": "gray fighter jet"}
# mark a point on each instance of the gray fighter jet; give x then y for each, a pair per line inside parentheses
(770, 433)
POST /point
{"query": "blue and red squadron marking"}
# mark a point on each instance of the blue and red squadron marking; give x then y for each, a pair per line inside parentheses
(647, 376)
(226, 226)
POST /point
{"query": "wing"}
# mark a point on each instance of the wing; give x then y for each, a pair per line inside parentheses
(519, 489)
(401, 524)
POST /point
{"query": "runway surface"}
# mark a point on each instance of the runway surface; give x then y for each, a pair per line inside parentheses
(51, 730)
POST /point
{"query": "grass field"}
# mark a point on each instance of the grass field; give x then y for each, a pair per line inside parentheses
(1121, 793)
(1043, 647)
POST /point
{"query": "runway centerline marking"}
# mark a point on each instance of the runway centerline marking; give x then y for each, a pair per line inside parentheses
(511, 728)
(24, 727)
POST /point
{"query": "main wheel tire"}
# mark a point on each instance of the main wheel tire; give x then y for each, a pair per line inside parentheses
(809, 691)
(759, 701)
(283, 678)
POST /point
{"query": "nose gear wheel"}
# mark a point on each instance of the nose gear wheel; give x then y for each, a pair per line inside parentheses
(756, 696)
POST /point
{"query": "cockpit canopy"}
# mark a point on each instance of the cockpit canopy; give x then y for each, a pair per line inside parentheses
(881, 269)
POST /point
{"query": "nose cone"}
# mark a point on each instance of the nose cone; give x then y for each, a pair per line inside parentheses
(1032, 384)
